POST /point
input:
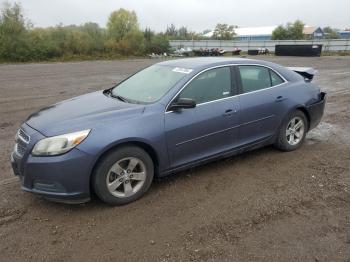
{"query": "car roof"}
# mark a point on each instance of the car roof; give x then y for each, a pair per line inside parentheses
(201, 63)
(205, 62)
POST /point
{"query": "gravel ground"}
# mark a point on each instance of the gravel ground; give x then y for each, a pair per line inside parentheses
(263, 205)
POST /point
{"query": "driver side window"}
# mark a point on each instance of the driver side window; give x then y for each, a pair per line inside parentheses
(211, 85)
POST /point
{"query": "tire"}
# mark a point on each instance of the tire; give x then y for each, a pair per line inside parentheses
(123, 175)
(284, 140)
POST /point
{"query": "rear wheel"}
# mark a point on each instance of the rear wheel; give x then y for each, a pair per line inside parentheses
(123, 176)
(292, 132)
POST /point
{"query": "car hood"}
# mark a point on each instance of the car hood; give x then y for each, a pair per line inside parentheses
(93, 110)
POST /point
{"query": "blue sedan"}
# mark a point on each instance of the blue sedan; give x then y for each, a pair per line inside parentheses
(168, 117)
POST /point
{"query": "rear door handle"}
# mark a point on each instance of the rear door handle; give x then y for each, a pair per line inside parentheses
(280, 99)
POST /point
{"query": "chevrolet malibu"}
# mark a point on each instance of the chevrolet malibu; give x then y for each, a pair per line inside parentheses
(168, 117)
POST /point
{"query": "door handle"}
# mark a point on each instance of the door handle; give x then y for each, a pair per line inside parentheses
(280, 99)
(229, 112)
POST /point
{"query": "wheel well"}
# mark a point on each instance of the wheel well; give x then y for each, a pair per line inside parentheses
(306, 113)
(152, 153)
(142, 145)
(149, 150)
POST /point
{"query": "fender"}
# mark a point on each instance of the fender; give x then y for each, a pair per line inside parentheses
(145, 144)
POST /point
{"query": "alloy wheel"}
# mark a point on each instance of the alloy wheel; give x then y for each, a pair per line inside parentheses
(126, 177)
(295, 130)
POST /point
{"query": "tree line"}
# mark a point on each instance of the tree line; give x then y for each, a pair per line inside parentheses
(294, 31)
(20, 41)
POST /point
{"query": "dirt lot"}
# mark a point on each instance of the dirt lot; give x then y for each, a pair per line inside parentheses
(260, 206)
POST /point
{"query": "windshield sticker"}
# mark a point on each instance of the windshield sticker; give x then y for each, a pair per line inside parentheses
(182, 70)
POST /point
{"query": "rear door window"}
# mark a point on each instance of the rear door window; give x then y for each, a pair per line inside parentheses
(275, 79)
(254, 78)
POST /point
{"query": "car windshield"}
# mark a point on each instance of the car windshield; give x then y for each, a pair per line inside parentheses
(150, 84)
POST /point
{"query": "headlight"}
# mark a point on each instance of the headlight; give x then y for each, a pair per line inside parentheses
(57, 145)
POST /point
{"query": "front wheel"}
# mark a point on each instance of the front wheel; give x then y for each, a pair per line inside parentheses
(123, 176)
(292, 132)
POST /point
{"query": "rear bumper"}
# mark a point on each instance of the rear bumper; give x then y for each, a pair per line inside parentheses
(316, 110)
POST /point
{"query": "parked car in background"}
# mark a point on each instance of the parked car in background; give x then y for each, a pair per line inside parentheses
(168, 117)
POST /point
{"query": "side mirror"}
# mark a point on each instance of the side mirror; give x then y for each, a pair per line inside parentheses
(182, 103)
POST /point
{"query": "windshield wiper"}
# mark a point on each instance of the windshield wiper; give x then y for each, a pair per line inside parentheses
(121, 98)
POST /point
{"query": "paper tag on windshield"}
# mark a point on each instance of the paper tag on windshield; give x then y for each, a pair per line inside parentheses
(182, 70)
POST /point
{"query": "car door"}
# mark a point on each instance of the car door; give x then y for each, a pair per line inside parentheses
(212, 126)
(262, 102)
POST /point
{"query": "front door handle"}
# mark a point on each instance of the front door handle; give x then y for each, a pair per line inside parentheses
(229, 112)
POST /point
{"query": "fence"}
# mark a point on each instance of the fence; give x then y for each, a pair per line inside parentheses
(328, 45)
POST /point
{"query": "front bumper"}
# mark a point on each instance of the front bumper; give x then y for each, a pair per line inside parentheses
(63, 178)
(316, 110)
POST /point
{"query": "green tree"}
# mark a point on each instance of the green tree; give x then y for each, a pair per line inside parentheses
(125, 38)
(148, 34)
(280, 33)
(224, 32)
(330, 33)
(41, 46)
(96, 36)
(182, 33)
(20, 41)
(292, 31)
(132, 44)
(296, 30)
(171, 31)
(13, 32)
(121, 23)
(155, 43)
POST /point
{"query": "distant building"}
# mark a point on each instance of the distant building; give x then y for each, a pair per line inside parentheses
(313, 32)
(265, 33)
(344, 34)
(254, 33)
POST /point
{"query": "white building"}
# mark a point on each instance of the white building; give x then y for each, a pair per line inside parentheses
(265, 32)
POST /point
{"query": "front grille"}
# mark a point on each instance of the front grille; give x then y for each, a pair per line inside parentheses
(21, 147)
(23, 136)
(21, 142)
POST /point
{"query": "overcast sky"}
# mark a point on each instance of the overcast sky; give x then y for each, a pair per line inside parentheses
(195, 14)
